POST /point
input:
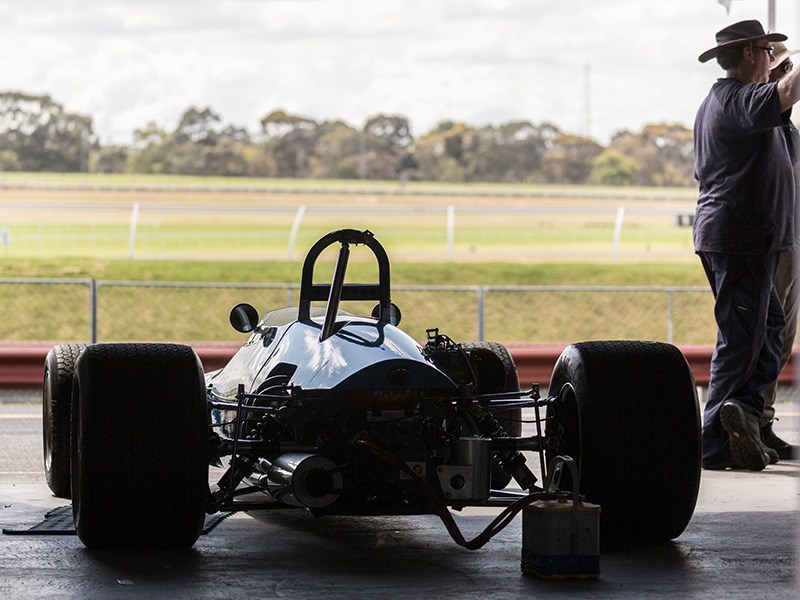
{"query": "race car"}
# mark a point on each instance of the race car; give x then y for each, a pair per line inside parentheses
(334, 413)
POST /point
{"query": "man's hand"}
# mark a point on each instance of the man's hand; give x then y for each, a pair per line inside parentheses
(789, 89)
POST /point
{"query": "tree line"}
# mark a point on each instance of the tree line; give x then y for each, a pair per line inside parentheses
(38, 134)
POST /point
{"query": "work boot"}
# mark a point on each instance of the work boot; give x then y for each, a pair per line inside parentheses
(781, 448)
(745, 437)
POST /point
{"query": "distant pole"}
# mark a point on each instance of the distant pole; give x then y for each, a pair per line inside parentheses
(93, 311)
(132, 231)
(770, 15)
(451, 231)
(298, 218)
(617, 233)
(362, 155)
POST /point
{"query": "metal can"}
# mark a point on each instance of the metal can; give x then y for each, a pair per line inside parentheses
(560, 539)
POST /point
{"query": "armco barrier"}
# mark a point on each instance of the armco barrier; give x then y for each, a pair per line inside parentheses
(21, 365)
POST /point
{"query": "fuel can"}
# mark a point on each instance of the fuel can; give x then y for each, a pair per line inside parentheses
(561, 539)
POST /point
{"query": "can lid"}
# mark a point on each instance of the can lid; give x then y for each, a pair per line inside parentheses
(561, 505)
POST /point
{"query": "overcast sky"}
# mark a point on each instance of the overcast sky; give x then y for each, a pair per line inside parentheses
(588, 66)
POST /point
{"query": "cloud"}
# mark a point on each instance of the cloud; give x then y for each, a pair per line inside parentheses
(127, 62)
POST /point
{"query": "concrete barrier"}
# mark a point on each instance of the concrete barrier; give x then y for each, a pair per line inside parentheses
(21, 365)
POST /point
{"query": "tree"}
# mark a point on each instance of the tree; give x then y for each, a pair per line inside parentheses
(385, 145)
(36, 134)
(259, 163)
(612, 168)
(150, 152)
(392, 130)
(42, 135)
(279, 124)
(511, 152)
(290, 141)
(569, 159)
(439, 154)
(8, 161)
(197, 126)
(108, 159)
(195, 147)
(337, 152)
(663, 151)
(293, 153)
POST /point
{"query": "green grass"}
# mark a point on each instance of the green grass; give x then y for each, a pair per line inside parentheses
(403, 273)
(45, 312)
(104, 180)
(178, 217)
(196, 237)
(78, 226)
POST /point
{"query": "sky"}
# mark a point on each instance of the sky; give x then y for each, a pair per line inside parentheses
(590, 67)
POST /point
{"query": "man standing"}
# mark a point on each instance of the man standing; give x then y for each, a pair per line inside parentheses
(787, 284)
(744, 220)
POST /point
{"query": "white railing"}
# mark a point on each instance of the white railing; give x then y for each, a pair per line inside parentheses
(605, 232)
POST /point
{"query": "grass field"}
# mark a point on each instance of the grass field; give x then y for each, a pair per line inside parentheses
(169, 217)
(60, 311)
(184, 183)
(239, 231)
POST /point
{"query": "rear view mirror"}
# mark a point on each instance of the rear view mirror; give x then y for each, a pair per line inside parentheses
(244, 318)
(394, 313)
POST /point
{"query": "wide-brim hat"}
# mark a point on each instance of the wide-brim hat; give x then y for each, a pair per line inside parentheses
(781, 53)
(743, 31)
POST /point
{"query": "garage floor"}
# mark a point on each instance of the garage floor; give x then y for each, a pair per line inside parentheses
(742, 542)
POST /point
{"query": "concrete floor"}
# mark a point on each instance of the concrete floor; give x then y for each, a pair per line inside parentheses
(742, 542)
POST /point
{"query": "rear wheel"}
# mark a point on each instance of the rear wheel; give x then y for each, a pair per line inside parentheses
(628, 413)
(59, 368)
(496, 372)
(139, 446)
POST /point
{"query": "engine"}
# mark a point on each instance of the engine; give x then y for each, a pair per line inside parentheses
(357, 450)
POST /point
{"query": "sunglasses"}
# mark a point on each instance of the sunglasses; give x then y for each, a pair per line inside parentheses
(785, 67)
(767, 49)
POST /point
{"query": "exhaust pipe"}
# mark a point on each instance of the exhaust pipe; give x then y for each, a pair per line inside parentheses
(301, 480)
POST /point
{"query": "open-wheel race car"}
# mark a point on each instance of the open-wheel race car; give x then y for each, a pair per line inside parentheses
(337, 414)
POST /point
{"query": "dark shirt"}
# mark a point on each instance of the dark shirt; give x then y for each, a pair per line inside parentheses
(746, 201)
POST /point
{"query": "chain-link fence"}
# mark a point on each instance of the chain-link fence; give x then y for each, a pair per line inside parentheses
(57, 310)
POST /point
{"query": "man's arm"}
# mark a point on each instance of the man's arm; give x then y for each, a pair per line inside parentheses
(789, 89)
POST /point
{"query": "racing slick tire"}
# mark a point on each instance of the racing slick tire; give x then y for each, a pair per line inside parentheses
(139, 447)
(627, 412)
(496, 372)
(59, 368)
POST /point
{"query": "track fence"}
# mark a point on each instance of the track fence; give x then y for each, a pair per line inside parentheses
(49, 310)
(503, 229)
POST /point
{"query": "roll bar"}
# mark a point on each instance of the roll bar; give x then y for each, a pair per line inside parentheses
(337, 290)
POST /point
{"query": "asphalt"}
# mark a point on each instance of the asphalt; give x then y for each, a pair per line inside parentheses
(741, 543)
